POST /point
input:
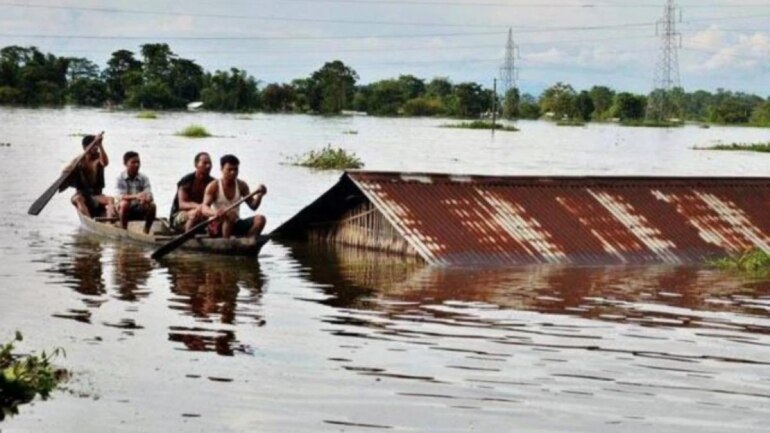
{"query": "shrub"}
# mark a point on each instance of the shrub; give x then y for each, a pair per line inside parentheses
(194, 131)
(147, 115)
(328, 159)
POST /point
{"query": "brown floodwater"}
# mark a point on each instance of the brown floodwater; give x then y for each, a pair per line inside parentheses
(308, 338)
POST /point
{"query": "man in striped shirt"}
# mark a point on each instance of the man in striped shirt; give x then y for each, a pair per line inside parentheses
(134, 200)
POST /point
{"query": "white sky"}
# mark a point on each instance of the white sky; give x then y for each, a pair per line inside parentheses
(582, 42)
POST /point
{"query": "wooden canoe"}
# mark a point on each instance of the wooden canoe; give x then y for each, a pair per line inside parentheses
(161, 233)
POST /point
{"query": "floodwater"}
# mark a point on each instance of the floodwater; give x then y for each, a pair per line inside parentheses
(309, 339)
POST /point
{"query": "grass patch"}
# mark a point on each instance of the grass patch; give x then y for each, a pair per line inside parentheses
(753, 262)
(194, 131)
(328, 159)
(570, 123)
(651, 123)
(350, 132)
(24, 377)
(480, 124)
(147, 115)
(747, 147)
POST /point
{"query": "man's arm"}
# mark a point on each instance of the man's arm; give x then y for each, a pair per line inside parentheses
(146, 193)
(104, 160)
(183, 197)
(255, 201)
(208, 199)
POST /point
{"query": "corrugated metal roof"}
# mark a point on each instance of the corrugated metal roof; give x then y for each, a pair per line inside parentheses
(485, 220)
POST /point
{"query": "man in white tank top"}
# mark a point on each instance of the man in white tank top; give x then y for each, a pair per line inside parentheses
(226, 191)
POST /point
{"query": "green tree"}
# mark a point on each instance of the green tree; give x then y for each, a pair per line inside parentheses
(584, 106)
(469, 100)
(601, 97)
(232, 90)
(529, 108)
(332, 88)
(761, 114)
(559, 99)
(123, 72)
(386, 98)
(511, 104)
(186, 79)
(411, 86)
(423, 106)
(276, 97)
(439, 87)
(628, 106)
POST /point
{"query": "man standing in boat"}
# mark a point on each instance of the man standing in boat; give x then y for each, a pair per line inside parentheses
(226, 191)
(187, 209)
(134, 200)
(88, 180)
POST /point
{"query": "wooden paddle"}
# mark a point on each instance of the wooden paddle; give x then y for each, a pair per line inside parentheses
(43, 200)
(186, 236)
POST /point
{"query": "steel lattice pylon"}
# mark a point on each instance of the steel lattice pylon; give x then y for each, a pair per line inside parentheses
(667, 66)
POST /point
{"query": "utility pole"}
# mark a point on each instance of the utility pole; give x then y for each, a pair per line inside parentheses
(509, 72)
(667, 66)
(494, 104)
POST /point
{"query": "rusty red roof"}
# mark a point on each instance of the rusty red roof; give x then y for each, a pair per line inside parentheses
(516, 220)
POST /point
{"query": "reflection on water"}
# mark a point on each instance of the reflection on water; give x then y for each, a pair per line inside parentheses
(648, 295)
(213, 289)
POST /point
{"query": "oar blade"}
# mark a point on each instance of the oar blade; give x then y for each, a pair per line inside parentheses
(43, 200)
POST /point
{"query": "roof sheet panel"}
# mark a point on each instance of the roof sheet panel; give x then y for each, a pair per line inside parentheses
(471, 220)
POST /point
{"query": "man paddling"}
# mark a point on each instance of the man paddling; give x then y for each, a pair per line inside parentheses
(134, 200)
(226, 191)
(187, 208)
(88, 181)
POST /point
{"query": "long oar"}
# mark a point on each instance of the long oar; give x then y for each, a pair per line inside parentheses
(186, 236)
(43, 200)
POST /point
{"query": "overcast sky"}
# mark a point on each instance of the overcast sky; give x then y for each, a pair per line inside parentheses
(582, 42)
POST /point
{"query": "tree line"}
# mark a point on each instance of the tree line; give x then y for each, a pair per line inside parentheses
(157, 78)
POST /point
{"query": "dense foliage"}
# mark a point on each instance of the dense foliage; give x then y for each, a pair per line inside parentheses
(328, 158)
(157, 78)
(24, 377)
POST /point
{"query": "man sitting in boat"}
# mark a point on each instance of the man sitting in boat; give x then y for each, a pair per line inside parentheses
(134, 200)
(226, 191)
(187, 209)
(88, 180)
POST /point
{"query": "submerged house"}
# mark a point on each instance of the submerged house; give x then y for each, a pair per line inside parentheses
(521, 220)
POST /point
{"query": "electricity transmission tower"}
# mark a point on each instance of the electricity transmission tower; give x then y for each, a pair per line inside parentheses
(509, 72)
(659, 106)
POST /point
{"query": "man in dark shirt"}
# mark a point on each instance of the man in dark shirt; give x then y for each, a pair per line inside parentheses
(88, 181)
(187, 210)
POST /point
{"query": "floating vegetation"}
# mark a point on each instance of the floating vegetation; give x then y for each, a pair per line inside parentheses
(194, 131)
(480, 124)
(570, 123)
(328, 159)
(652, 123)
(244, 117)
(754, 262)
(147, 115)
(747, 147)
(350, 132)
(24, 377)
(77, 134)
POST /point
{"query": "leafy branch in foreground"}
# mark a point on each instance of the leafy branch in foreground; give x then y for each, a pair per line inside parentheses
(754, 262)
(24, 377)
(328, 159)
